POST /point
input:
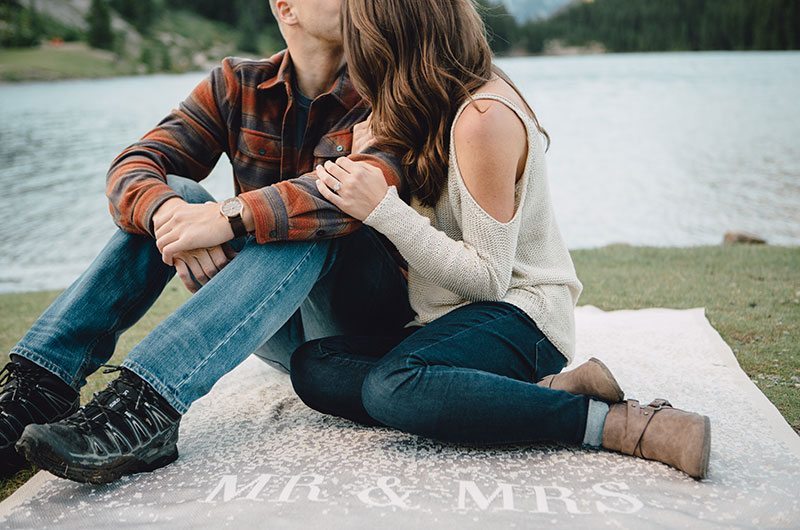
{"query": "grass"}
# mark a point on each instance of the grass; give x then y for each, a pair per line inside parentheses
(751, 295)
(69, 61)
(180, 33)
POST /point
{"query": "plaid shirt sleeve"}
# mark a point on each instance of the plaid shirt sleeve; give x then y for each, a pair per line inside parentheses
(188, 143)
(294, 209)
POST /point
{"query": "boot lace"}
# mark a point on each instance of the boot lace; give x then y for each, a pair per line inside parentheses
(16, 381)
(96, 414)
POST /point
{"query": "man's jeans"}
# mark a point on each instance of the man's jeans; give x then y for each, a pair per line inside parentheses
(268, 300)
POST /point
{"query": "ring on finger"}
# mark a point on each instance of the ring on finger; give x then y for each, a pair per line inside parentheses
(337, 186)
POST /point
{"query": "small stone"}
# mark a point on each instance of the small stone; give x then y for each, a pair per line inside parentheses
(734, 238)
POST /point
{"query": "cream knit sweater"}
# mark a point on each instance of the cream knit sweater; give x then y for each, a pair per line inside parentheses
(457, 253)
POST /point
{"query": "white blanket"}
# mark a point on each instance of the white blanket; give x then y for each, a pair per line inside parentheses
(252, 455)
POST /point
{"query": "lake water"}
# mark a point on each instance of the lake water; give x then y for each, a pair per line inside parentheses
(649, 149)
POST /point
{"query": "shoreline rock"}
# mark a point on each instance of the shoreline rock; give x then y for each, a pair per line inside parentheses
(733, 237)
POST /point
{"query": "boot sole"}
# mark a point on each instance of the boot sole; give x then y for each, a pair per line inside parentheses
(43, 458)
(620, 394)
(12, 462)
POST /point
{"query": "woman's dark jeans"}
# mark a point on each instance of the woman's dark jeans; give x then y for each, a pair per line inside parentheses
(467, 377)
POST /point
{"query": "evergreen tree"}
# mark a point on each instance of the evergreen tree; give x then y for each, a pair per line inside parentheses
(140, 13)
(99, 19)
(166, 59)
(251, 17)
(656, 25)
(501, 27)
(19, 27)
(248, 25)
(147, 59)
(222, 10)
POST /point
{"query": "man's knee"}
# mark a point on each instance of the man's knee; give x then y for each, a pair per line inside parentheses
(189, 190)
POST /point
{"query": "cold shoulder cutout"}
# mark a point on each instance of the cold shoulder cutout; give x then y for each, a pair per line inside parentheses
(458, 253)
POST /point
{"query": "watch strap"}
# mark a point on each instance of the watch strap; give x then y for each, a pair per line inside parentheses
(237, 224)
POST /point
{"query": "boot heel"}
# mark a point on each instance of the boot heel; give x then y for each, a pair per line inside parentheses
(158, 461)
(627, 430)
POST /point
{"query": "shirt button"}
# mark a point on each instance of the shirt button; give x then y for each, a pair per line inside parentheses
(262, 151)
(339, 148)
(273, 233)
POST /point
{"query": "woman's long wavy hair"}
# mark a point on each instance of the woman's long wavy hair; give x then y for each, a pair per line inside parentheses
(416, 61)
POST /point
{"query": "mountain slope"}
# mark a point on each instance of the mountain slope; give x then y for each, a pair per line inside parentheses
(524, 10)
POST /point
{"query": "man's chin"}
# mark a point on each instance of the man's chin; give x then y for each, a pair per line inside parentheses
(336, 41)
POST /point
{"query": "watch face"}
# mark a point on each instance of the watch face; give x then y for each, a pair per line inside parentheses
(232, 207)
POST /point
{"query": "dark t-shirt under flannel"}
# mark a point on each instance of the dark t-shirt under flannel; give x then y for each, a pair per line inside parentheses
(243, 109)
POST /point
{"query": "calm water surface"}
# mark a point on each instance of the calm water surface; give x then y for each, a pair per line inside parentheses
(648, 149)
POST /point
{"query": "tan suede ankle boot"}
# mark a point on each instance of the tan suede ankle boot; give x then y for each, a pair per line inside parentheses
(592, 378)
(660, 432)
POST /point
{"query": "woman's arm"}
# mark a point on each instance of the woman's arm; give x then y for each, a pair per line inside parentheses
(475, 272)
(490, 146)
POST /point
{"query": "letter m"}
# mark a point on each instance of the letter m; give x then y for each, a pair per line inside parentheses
(469, 487)
(227, 486)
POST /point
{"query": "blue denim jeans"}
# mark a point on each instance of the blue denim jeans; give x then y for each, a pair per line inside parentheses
(467, 377)
(268, 300)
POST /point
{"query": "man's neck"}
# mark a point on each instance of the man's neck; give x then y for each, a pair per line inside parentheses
(315, 68)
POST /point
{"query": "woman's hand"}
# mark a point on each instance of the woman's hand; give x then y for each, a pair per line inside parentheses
(356, 188)
(189, 227)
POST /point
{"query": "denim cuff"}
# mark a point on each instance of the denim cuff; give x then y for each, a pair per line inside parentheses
(595, 420)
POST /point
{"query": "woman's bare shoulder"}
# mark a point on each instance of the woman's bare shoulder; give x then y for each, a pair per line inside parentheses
(496, 86)
(490, 122)
(490, 142)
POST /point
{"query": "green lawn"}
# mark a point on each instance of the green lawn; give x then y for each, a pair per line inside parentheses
(51, 63)
(751, 295)
(188, 35)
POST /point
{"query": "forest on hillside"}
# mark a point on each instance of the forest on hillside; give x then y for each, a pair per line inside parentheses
(619, 25)
(656, 25)
(23, 25)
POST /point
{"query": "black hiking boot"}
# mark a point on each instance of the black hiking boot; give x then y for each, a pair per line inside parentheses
(126, 428)
(28, 394)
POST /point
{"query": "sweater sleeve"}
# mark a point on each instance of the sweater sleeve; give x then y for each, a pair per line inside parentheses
(477, 268)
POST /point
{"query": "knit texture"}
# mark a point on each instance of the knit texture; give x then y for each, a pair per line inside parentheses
(457, 253)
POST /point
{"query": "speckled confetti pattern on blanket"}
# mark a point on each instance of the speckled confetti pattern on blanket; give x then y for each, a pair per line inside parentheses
(252, 455)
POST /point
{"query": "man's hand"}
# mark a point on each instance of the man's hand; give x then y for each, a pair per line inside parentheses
(164, 211)
(184, 227)
(195, 267)
(203, 264)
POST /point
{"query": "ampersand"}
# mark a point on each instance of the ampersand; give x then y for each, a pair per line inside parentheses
(385, 485)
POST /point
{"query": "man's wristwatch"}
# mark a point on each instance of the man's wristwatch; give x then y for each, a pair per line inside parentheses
(232, 209)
